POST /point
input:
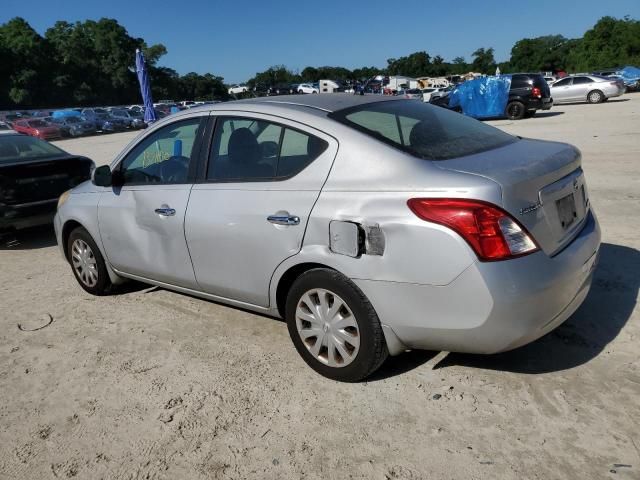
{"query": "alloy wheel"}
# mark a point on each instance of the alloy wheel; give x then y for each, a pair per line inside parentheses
(84, 263)
(327, 328)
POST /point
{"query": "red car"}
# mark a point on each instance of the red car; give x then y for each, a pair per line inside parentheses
(37, 128)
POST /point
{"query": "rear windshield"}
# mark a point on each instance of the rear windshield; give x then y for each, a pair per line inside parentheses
(423, 130)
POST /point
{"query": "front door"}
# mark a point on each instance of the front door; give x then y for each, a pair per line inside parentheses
(250, 211)
(561, 90)
(142, 222)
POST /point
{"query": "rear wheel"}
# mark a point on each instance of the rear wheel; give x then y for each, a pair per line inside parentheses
(595, 96)
(334, 327)
(515, 110)
(87, 263)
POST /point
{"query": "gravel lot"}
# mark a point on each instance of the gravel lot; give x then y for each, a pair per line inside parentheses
(153, 384)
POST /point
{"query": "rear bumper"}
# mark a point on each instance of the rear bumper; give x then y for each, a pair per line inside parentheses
(540, 103)
(491, 307)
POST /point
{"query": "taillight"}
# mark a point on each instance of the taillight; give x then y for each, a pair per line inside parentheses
(536, 92)
(490, 231)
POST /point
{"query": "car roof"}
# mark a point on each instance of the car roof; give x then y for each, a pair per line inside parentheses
(330, 102)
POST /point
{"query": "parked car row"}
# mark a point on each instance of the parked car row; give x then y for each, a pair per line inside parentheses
(530, 92)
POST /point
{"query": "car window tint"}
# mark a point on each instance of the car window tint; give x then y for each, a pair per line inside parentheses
(164, 156)
(581, 80)
(562, 83)
(423, 130)
(520, 81)
(245, 150)
(380, 122)
(298, 150)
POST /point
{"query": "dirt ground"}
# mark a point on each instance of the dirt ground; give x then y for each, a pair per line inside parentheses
(151, 384)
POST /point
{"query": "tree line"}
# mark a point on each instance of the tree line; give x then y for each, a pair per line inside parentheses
(92, 63)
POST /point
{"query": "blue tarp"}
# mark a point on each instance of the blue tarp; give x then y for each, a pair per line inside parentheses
(65, 113)
(630, 75)
(482, 97)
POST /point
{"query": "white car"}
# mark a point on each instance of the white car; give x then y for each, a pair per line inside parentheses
(307, 88)
(236, 89)
(427, 92)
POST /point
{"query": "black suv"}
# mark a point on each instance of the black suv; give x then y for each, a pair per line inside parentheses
(528, 93)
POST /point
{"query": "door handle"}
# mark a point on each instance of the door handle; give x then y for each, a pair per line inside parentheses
(165, 211)
(284, 219)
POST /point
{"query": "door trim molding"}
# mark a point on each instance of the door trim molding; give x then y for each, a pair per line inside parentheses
(197, 293)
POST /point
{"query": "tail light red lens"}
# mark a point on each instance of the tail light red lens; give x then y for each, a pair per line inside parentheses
(536, 92)
(490, 231)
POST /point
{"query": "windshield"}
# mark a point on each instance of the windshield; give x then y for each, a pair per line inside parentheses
(72, 120)
(22, 147)
(119, 113)
(422, 130)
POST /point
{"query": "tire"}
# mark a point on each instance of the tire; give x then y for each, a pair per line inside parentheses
(530, 113)
(300, 92)
(595, 96)
(351, 342)
(87, 263)
(515, 110)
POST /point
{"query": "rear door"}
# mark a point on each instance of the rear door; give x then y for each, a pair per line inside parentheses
(250, 210)
(581, 86)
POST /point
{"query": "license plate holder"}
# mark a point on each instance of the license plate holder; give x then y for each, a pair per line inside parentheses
(567, 213)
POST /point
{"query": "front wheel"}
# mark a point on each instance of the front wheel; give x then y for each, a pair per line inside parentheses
(87, 263)
(595, 96)
(515, 110)
(334, 326)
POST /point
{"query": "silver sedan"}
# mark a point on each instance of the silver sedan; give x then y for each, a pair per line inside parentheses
(586, 88)
(372, 224)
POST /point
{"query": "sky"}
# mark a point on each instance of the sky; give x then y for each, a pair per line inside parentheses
(235, 39)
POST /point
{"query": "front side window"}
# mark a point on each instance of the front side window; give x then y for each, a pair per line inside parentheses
(562, 83)
(422, 130)
(256, 150)
(164, 156)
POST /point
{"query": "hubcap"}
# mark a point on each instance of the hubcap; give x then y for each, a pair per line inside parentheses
(84, 263)
(595, 97)
(327, 328)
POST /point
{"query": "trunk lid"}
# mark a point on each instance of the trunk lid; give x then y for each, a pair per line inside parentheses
(41, 180)
(543, 187)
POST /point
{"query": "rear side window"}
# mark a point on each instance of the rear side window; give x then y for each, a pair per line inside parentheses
(581, 80)
(252, 150)
(422, 130)
(520, 81)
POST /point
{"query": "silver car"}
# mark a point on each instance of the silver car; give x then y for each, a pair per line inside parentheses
(372, 224)
(586, 88)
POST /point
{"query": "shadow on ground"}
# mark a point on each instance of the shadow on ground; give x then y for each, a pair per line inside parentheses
(587, 333)
(547, 114)
(28, 239)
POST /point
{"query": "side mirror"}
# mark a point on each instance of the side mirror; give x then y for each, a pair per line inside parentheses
(102, 176)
